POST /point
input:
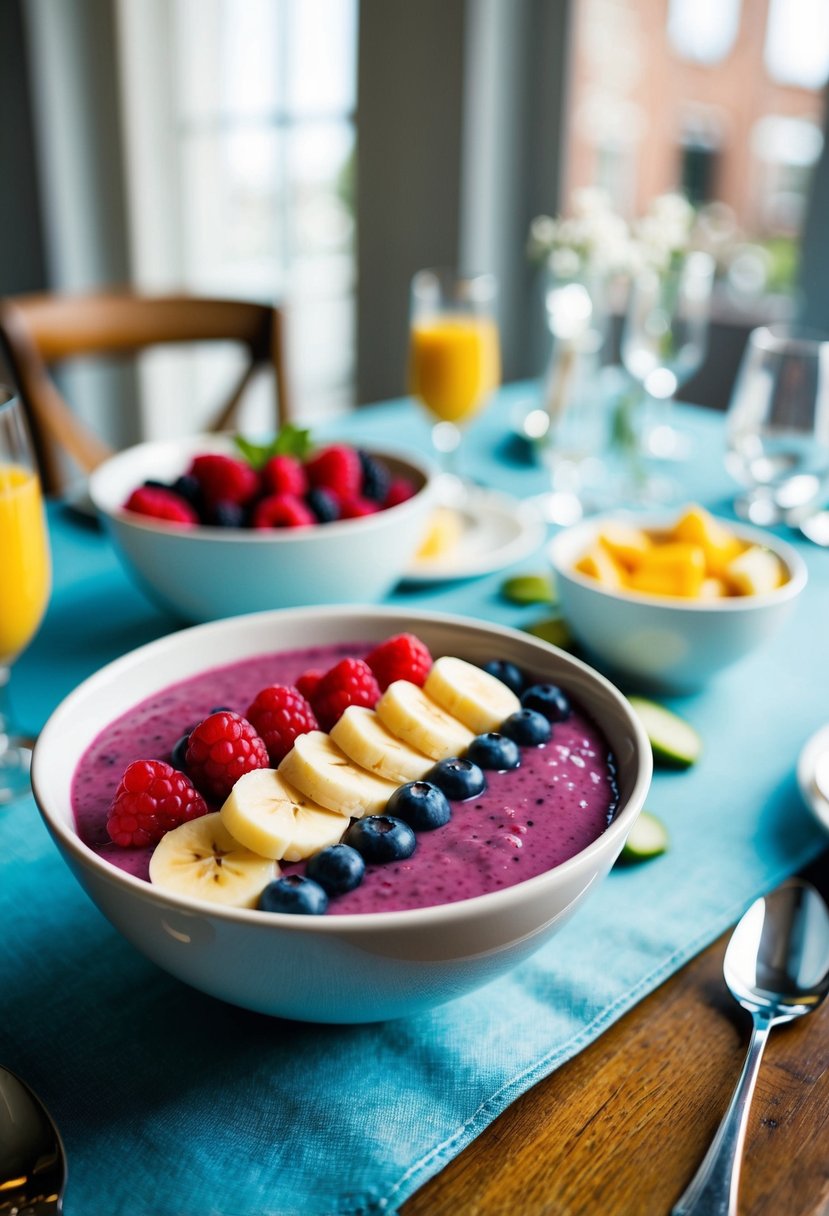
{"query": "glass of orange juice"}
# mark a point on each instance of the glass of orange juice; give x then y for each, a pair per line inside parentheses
(25, 577)
(454, 353)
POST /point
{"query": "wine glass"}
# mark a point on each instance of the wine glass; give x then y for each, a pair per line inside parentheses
(777, 425)
(25, 577)
(665, 337)
(454, 357)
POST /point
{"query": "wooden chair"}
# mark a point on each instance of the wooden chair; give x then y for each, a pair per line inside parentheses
(39, 331)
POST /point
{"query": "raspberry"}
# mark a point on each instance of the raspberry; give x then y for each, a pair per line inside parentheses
(356, 508)
(307, 683)
(220, 750)
(402, 657)
(349, 682)
(159, 503)
(279, 714)
(282, 511)
(376, 478)
(152, 798)
(284, 475)
(401, 489)
(336, 468)
(224, 478)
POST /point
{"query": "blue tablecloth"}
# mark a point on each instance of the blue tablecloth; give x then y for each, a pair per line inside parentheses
(173, 1104)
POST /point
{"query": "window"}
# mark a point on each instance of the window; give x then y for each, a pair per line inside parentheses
(254, 149)
(718, 98)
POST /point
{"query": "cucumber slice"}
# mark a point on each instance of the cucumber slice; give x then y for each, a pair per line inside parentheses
(674, 742)
(553, 630)
(647, 838)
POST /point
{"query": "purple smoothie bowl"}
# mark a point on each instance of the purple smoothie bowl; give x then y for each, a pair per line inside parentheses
(353, 967)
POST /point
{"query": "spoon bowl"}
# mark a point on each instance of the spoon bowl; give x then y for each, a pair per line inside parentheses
(777, 967)
(32, 1157)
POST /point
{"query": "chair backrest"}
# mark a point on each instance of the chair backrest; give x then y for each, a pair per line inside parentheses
(38, 331)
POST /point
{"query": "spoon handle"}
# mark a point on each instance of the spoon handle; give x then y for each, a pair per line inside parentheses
(713, 1189)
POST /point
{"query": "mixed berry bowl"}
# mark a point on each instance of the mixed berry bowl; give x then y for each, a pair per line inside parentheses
(461, 901)
(250, 549)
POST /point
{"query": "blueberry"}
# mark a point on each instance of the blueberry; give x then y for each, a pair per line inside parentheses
(296, 894)
(324, 505)
(380, 838)
(226, 515)
(458, 778)
(494, 751)
(420, 804)
(188, 487)
(549, 700)
(527, 727)
(337, 869)
(179, 752)
(375, 478)
(507, 673)
(221, 709)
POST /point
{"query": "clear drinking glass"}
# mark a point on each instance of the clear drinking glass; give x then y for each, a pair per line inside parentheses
(454, 355)
(665, 338)
(777, 425)
(25, 577)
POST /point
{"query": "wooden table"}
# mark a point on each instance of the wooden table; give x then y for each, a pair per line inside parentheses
(621, 1128)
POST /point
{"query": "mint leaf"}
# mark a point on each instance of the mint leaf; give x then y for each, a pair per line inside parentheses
(290, 441)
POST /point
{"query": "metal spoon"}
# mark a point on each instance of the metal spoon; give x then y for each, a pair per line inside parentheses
(32, 1158)
(777, 967)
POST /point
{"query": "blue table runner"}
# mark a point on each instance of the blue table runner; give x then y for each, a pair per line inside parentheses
(173, 1104)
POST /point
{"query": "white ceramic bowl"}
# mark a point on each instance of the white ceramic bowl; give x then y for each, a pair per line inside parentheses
(354, 968)
(202, 574)
(659, 641)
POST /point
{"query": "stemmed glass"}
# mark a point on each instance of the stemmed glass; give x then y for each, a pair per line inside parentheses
(25, 577)
(777, 425)
(665, 337)
(454, 357)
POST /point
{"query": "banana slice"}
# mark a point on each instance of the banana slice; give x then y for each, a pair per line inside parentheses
(269, 816)
(366, 741)
(470, 694)
(414, 717)
(202, 860)
(321, 771)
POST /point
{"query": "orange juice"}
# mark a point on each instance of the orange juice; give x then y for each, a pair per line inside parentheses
(454, 364)
(25, 571)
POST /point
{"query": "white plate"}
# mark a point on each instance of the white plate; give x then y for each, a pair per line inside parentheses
(496, 531)
(815, 751)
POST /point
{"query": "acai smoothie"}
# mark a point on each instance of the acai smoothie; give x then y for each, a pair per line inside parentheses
(560, 797)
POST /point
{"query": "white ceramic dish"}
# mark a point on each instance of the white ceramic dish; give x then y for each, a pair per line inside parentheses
(813, 768)
(353, 968)
(203, 574)
(496, 531)
(669, 643)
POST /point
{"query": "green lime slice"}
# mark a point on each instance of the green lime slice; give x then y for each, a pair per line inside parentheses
(529, 589)
(647, 838)
(553, 630)
(674, 742)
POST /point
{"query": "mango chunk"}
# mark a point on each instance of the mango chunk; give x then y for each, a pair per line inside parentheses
(597, 563)
(714, 589)
(674, 568)
(756, 571)
(698, 527)
(626, 544)
(443, 533)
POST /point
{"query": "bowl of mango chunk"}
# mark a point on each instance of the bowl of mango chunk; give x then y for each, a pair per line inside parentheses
(669, 600)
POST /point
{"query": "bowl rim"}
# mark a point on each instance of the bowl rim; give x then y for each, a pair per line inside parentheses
(796, 566)
(348, 923)
(416, 460)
